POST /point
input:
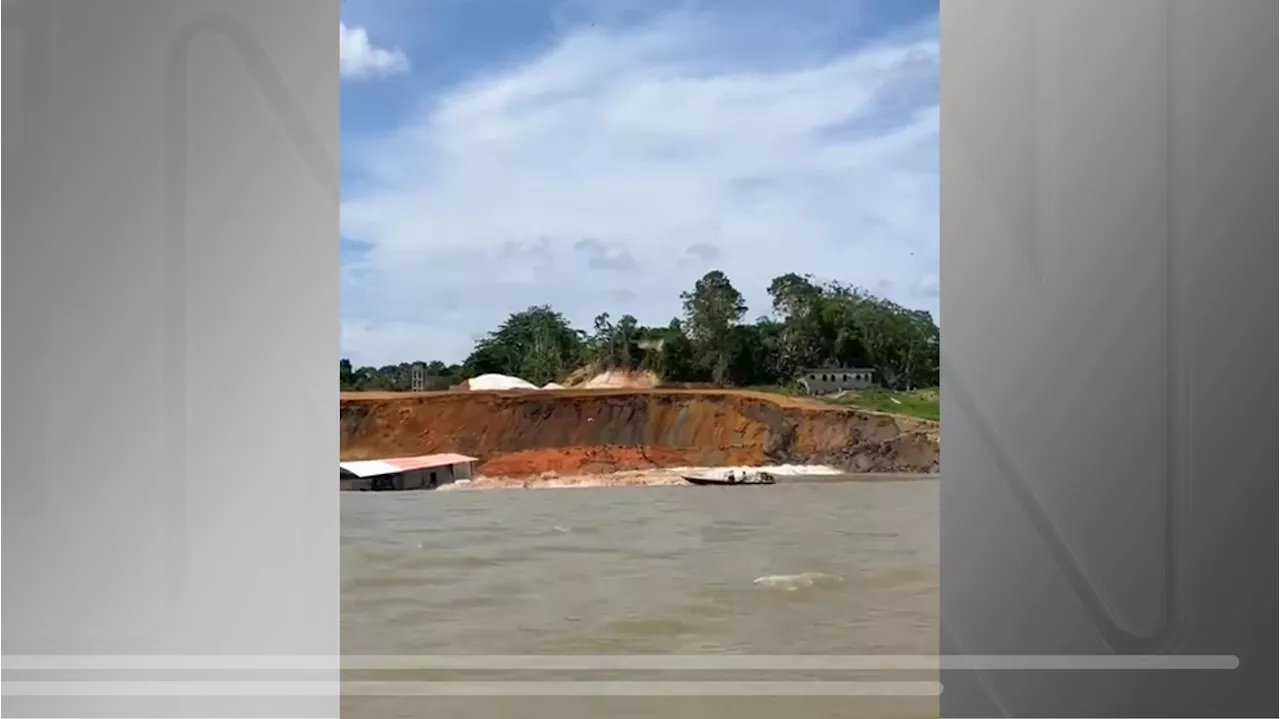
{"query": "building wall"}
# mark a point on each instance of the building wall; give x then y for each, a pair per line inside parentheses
(354, 484)
(426, 478)
(414, 479)
(833, 380)
(440, 476)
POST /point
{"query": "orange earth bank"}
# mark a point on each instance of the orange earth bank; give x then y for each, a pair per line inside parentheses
(528, 433)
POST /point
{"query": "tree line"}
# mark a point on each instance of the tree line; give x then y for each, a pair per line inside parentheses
(812, 324)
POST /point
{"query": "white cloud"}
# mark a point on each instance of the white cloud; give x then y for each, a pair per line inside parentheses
(358, 57)
(668, 153)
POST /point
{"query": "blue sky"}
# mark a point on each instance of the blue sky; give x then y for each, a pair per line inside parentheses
(602, 155)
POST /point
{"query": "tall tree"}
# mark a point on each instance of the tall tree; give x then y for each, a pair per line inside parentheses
(537, 345)
(625, 334)
(346, 375)
(712, 308)
(798, 304)
(602, 341)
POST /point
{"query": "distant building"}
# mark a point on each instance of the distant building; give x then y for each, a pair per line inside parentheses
(828, 380)
(405, 473)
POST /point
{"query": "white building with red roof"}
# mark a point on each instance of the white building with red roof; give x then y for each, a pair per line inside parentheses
(405, 473)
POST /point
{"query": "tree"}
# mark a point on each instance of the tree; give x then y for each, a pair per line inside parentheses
(812, 324)
(712, 308)
(537, 345)
(798, 305)
(346, 375)
(625, 337)
(602, 341)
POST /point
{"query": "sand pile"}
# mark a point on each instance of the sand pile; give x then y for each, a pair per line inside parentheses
(622, 379)
(552, 385)
(580, 375)
(495, 382)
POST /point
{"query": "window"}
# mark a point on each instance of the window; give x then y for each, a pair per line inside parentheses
(846, 378)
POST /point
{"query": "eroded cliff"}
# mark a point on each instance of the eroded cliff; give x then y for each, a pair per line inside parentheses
(525, 433)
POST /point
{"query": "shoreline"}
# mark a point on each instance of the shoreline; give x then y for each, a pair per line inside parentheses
(673, 478)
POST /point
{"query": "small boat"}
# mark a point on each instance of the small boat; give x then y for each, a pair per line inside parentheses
(757, 478)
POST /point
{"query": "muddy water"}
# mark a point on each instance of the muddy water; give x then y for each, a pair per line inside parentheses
(800, 568)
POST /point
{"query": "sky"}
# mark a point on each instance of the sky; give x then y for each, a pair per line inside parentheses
(602, 155)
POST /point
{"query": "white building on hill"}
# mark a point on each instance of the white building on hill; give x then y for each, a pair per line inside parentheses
(829, 380)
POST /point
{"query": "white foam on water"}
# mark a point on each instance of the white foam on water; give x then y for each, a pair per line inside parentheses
(796, 582)
(782, 470)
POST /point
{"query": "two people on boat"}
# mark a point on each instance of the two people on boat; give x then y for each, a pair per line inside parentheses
(748, 477)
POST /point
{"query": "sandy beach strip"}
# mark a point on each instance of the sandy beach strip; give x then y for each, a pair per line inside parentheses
(674, 476)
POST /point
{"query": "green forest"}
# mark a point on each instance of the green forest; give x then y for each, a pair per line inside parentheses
(810, 324)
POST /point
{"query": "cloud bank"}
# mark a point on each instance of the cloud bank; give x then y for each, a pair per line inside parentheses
(610, 170)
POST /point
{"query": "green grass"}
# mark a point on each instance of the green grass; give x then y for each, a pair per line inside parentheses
(916, 403)
(921, 403)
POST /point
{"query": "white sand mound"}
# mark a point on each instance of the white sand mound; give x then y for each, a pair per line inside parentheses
(492, 382)
(551, 385)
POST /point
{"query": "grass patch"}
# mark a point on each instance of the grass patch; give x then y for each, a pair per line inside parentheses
(921, 403)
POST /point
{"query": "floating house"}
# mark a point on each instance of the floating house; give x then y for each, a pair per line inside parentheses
(405, 473)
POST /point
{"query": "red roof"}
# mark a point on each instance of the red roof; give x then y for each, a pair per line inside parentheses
(408, 464)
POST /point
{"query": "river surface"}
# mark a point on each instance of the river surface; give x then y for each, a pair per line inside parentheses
(799, 568)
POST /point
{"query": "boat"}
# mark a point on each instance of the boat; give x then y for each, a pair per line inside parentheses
(757, 478)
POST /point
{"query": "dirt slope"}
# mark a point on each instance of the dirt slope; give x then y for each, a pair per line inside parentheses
(520, 433)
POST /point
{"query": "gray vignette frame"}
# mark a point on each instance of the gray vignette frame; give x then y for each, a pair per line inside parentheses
(1107, 242)
(171, 277)
(1109, 368)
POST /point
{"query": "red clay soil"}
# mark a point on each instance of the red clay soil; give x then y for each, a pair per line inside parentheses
(579, 460)
(523, 433)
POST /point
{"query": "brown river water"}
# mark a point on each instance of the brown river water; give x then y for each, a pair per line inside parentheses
(806, 567)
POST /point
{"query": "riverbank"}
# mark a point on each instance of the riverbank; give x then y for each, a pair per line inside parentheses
(785, 474)
(564, 435)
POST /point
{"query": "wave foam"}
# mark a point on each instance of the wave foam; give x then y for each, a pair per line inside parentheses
(796, 582)
(782, 470)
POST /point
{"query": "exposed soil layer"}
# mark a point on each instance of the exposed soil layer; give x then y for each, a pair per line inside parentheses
(580, 460)
(528, 433)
